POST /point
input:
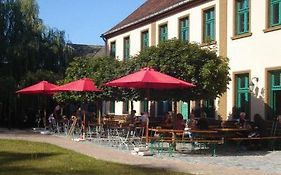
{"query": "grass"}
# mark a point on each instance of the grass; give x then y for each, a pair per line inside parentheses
(33, 158)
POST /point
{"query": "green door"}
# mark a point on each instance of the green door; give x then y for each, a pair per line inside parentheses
(184, 107)
(242, 94)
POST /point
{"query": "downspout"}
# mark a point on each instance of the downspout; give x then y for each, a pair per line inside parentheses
(105, 43)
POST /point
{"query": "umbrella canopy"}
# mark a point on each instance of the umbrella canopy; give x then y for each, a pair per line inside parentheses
(82, 85)
(42, 87)
(148, 78)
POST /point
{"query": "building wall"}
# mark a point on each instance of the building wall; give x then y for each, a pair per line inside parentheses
(253, 54)
(195, 26)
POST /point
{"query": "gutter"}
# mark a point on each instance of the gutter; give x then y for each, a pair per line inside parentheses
(147, 17)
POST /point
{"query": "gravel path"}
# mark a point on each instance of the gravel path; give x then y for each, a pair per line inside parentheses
(253, 164)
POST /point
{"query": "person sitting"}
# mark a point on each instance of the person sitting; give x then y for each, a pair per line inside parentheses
(259, 126)
(202, 123)
(242, 120)
(132, 117)
(179, 123)
(144, 118)
(168, 122)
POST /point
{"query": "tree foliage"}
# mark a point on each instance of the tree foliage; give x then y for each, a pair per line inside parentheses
(26, 46)
(100, 70)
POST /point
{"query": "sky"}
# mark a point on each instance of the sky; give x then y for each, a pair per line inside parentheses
(85, 20)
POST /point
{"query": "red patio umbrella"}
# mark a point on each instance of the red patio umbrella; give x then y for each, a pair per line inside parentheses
(148, 78)
(43, 87)
(82, 85)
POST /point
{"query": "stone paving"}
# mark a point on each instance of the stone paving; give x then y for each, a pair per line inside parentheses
(253, 163)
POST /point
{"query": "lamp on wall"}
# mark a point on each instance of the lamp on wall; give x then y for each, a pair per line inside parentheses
(252, 84)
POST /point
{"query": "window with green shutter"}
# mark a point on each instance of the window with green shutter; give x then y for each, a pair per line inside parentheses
(184, 29)
(242, 16)
(125, 107)
(112, 107)
(126, 48)
(209, 25)
(144, 40)
(242, 93)
(113, 49)
(163, 33)
(274, 94)
(274, 13)
(144, 106)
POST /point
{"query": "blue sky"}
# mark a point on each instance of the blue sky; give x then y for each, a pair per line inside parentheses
(85, 20)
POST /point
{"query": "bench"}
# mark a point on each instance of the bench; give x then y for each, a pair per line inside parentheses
(158, 143)
(239, 140)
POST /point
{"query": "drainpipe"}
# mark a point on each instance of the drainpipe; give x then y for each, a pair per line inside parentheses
(105, 43)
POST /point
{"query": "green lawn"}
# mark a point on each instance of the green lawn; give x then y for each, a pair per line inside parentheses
(30, 158)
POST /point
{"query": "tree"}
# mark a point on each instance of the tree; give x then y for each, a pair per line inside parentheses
(186, 61)
(100, 70)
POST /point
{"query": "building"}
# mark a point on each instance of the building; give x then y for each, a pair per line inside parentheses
(245, 31)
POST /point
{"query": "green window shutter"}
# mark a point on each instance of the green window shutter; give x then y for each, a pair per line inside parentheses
(126, 48)
(209, 25)
(163, 31)
(144, 106)
(125, 107)
(184, 29)
(242, 16)
(112, 107)
(145, 40)
(113, 49)
(275, 13)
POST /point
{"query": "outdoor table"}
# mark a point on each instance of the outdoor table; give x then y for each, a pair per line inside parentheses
(174, 132)
(232, 132)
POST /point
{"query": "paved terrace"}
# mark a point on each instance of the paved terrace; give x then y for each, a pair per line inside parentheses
(255, 163)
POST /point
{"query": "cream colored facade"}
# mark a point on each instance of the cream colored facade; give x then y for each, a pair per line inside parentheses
(255, 54)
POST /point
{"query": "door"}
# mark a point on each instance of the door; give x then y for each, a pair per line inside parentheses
(185, 110)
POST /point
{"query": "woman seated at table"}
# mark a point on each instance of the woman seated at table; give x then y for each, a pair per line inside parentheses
(179, 123)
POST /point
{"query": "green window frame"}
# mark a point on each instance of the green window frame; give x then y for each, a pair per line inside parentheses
(274, 90)
(242, 16)
(163, 33)
(126, 48)
(242, 93)
(144, 40)
(125, 109)
(274, 13)
(209, 107)
(209, 25)
(144, 106)
(184, 29)
(112, 107)
(113, 49)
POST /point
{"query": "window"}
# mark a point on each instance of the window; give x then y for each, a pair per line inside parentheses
(274, 13)
(144, 40)
(125, 107)
(163, 33)
(126, 48)
(209, 25)
(242, 16)
(184, 29)
(112, 49)
(274, 94)
(112, 107)
(242, 93)
(144, 106)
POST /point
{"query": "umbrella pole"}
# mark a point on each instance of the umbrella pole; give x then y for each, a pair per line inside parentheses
(147, 120)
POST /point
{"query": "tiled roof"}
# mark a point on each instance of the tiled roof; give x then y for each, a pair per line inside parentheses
(147, 9)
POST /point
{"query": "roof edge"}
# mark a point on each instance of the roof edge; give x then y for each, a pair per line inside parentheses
(147, 17)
